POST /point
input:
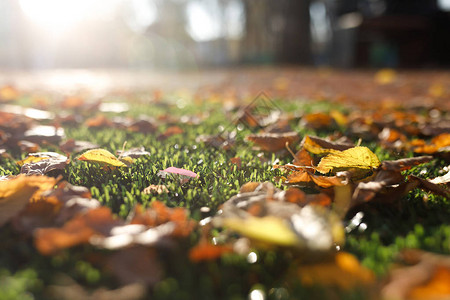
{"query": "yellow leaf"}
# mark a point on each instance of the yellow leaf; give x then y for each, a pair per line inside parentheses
(339, 117)
(269, 229)
(344, 272)
(360, 160)
(38, 156)
(31, 159)
(101, 156)
(316, 145)
(385, 76)
(17, 192)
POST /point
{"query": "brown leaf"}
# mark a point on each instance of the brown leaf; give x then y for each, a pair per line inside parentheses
(405, 163)
(318, 121)
(172, 130)
(429, 186)
(73, 146)
(98, 121)
(273, 142)
(44, 166)
(295, 195)
(302, 158)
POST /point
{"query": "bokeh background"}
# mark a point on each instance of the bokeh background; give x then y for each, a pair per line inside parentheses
(197, 34)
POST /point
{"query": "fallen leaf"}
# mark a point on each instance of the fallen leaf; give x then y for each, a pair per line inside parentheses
(360, 160)
(36, 157)
(427, 278)
(43, 162)
(78, 230)
(16, 192)
(269, 230)
(321, 146)
(317, 121)
(172, 130)
(98, 121)
(405, 163)
(302, 158)
(73, 146)
(444, 179)
(343, 271)
(304, 177)
(205, 251)
(133, 153)
(101, 156)
(273, 142)
(159, 214)
(438, 143)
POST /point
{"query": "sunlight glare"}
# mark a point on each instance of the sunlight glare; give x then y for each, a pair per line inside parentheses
(61, 15)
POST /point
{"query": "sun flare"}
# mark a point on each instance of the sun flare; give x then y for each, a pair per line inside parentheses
(61, 15)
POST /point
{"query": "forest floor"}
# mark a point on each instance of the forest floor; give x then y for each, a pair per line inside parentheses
(252, 183)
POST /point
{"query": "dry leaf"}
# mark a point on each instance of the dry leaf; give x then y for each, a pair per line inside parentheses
(15, 193)
(101, 156)
(321, 146)
(405, 163)
(273, 142)
(133, 153)
(205, 251)
(360, 160)
(78, 230)
(344, 272)
(318, 121)
(37, 164)
(71, 146)
(427, 278)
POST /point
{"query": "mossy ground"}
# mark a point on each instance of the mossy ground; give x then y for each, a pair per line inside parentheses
(25, 274)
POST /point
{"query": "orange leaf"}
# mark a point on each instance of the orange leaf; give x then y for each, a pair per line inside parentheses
(206, 251)
(15, 193)
(76, 231)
